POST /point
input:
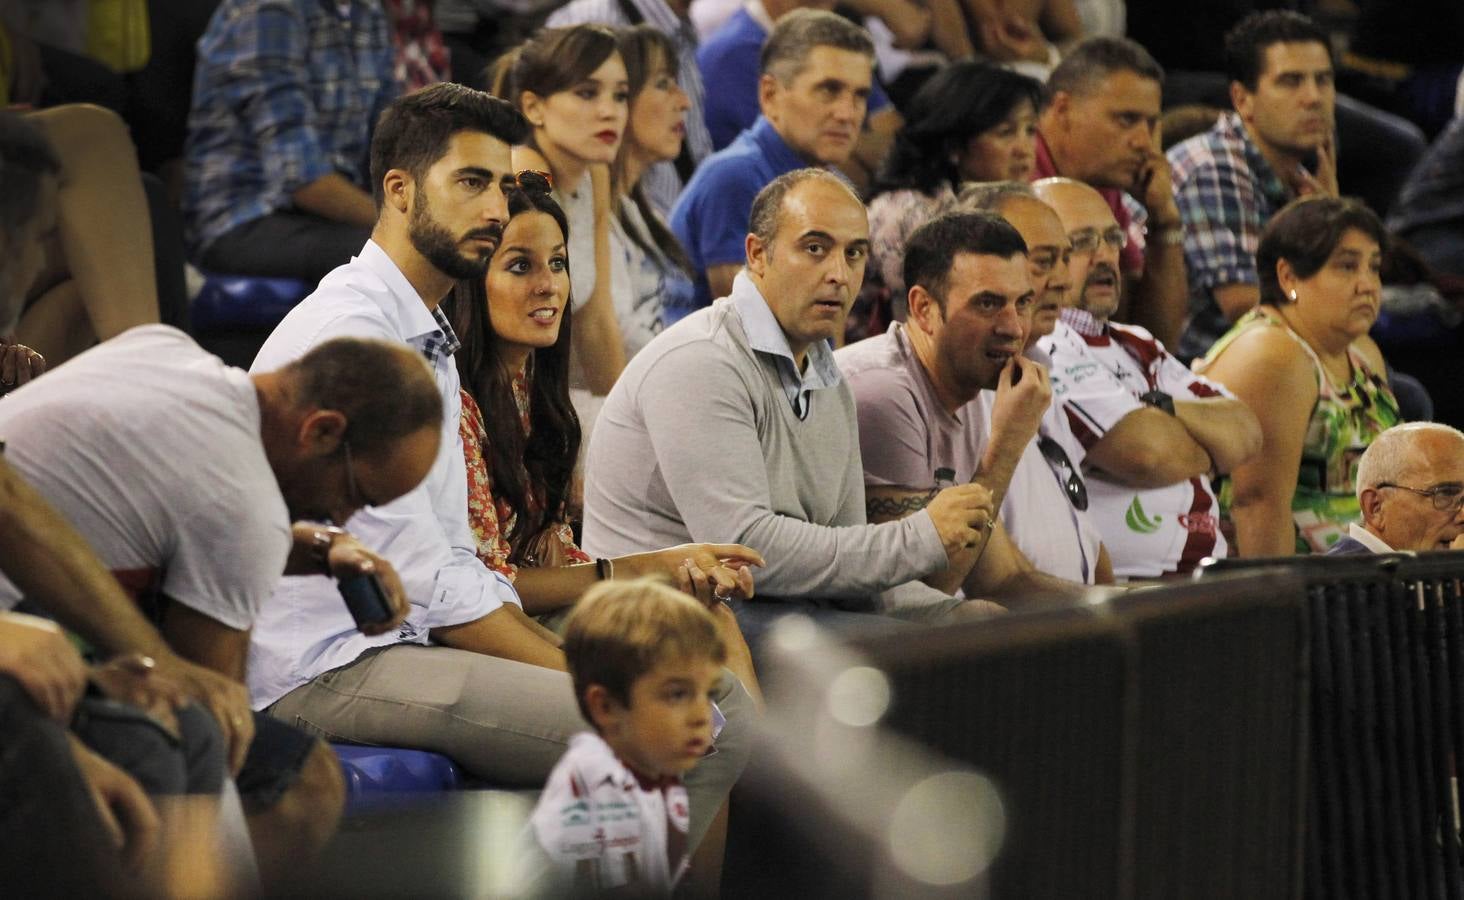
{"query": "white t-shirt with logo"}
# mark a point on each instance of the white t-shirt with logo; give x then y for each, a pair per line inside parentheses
(605, 829)
(150, 447)
(1098, 379)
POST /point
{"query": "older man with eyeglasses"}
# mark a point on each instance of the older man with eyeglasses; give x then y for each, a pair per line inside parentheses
(1046, 507)
(1410, 485)
(1154, 431)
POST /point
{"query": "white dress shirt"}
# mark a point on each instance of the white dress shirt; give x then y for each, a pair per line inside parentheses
(305, 630)
(1368, 539)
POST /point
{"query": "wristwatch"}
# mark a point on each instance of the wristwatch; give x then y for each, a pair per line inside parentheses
(321, 541)
(1159, 400)
(1169, 235)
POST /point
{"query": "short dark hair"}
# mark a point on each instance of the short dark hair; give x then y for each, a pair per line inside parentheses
(621, 630)
(414, 131)
(1096, 58)
(959, 102)
(797, 33)
(384, 390)
(1246, 43)
(932, 249)
(767, 206)
(1304, 233)
(26, 157)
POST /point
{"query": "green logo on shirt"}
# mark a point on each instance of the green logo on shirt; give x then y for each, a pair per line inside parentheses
(1138, 520)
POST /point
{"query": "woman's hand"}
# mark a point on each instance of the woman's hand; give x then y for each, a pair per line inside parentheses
(546, 550)
(722, 562)
(716, 583)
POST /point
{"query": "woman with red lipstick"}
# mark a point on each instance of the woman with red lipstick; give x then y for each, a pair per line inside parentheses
(570, 84)
(660, 272)
(519, 430)
(970, 122)
(1303, 363)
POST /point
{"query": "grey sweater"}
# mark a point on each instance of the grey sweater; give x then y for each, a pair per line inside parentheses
(698, 442)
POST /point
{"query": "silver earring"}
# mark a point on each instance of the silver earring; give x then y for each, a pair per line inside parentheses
(1292, 295)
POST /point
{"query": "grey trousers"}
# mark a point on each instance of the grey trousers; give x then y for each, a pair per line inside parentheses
(505, 722)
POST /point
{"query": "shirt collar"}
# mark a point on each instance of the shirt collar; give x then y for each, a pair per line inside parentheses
(424, 328)
(765, 335)
(442, 343)
(901, 336)
(759, 14)
(1082, 321)
(1368, 539)
(1271, 184)
(774, 148)
(1042, 164)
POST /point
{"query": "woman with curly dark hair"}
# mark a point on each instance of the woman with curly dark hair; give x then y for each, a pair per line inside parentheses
(970, 122)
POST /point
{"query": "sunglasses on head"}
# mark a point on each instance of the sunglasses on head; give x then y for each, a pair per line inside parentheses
(534, 181)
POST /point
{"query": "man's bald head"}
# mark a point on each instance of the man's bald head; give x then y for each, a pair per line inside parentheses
(1405, 474)
(1096, 240)
(353, 423)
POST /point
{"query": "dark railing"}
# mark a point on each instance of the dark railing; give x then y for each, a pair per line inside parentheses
(1387, 723)
(1149, 746)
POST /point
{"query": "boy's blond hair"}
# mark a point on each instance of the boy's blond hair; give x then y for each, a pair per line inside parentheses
(620, 630)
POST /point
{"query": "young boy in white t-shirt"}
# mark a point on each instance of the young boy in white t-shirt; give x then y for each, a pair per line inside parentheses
(646, 661)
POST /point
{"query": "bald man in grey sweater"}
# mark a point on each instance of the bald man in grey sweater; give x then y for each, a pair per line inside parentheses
(736, 425)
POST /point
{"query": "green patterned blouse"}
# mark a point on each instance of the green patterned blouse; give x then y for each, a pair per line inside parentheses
(1343, 422)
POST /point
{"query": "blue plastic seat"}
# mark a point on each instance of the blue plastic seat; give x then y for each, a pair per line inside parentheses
(371, 772)
(239, 303)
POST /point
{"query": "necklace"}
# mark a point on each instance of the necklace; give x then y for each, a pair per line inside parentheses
(1338, 369)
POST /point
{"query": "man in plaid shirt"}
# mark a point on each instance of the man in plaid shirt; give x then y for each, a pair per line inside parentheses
(284, 101)
(1229, 181)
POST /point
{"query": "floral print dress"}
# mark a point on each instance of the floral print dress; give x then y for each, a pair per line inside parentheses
(1343, 422)
(490, 516)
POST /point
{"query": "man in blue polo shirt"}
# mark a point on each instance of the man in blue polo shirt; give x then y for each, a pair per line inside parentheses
(813, 88)
(733, 53)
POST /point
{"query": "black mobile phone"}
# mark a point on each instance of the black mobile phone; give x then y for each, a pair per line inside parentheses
(365, 598)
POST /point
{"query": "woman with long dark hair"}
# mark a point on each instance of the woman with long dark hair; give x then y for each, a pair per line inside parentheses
(520, 432)
(660, 272)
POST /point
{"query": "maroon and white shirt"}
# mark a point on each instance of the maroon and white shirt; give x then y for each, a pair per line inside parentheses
(1099, 371)
(606, 828)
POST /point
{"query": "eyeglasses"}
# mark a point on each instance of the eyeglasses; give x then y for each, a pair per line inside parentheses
(534, 181)
(1087, 240)
(1072, 482)
(1443, 496)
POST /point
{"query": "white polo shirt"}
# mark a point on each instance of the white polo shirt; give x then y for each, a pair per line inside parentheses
(306, 630)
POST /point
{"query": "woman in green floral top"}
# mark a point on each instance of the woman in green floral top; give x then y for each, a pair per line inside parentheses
(1303, 362)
